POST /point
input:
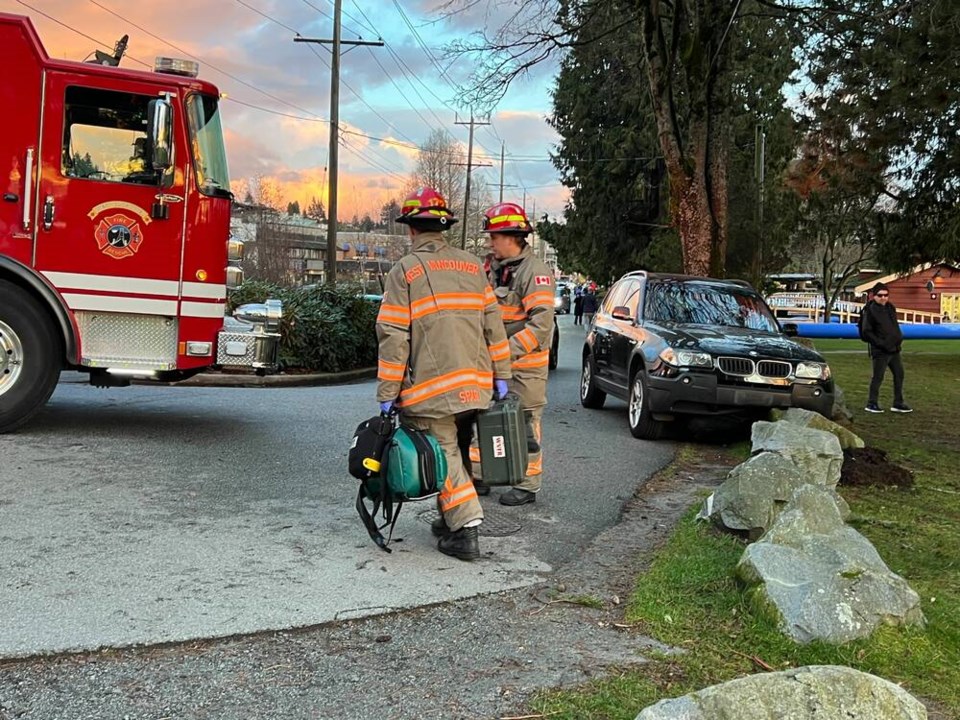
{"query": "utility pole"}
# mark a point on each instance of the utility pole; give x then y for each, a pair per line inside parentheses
(334, 129)
(760, 148)
(466, 194)
(502, 145)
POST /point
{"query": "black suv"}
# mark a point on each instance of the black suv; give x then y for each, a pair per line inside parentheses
(676, 345)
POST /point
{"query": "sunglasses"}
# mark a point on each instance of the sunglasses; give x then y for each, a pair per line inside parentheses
(883, 294)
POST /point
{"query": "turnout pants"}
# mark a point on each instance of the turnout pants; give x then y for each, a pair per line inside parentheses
(458, 501)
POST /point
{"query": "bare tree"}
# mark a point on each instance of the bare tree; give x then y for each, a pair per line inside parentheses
(268, 258)
(266, 192)
(843, 205)
(685, 50)
(441, 164)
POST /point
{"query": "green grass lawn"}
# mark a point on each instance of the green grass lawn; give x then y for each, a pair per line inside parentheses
(689, 600)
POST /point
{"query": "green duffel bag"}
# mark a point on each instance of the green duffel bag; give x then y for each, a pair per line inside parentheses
(414, 467)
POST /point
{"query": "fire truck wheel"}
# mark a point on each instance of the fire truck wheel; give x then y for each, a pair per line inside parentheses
(30, 356)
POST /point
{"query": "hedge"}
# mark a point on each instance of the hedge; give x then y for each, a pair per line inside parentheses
(325, 328)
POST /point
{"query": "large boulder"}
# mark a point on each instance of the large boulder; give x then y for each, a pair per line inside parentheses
(756, 491)
(816, 453)
(807, 418)
(840, 413)
(820, 578)
(815, 692)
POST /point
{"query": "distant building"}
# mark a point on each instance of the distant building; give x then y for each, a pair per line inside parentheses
(930, 288)
(292, 249)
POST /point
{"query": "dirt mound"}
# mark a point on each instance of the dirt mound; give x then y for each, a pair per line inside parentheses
(869, 466)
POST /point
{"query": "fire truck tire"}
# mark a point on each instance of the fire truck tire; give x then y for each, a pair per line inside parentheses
(30, 356)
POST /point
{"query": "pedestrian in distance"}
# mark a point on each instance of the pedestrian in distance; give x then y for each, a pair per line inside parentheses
(443, 352)
(524, 288)
(578, 308)
(590, 305)
(881, 331)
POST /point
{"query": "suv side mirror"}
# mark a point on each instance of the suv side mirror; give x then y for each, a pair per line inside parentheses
(791, 329)
(622, 312)
(160, 134)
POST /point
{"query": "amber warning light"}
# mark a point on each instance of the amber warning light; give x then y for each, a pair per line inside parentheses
(176, 66)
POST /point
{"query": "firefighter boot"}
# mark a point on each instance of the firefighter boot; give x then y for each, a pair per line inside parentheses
(516, 496)
(481, 487)
(439, 527)
(464, 544)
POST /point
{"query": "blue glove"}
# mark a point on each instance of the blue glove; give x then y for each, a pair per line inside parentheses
(386, 407)
(500, 389)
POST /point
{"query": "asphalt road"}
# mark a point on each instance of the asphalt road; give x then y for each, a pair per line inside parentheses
(150, 515)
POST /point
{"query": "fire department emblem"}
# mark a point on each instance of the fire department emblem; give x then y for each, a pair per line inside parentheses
(118, 236)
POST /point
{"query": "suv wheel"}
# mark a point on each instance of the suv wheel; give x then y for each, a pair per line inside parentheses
(641, 424)
(590, 395)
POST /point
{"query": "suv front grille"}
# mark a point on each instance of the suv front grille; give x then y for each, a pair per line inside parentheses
(774, 369)
(740, 367)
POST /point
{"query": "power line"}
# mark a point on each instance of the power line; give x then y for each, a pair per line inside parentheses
(416, 35)
(268, 17)
(198, 59)
(330, 17)
(82, 34)
(347, 146)
(323, 60)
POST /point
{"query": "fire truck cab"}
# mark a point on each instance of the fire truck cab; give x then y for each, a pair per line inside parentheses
(115, 252)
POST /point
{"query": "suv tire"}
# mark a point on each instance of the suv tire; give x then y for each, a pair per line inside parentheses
(590, 396)
(638, 413)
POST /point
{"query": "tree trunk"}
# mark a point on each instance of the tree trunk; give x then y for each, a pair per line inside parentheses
(696, 159)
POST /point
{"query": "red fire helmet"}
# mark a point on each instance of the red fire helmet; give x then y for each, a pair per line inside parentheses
(425, 204)
(507, 218)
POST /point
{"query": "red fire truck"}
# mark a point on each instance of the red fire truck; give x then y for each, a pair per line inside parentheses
(115, 249)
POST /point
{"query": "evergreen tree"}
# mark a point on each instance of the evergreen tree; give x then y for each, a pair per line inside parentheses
(896, 65)
(293, 208)
(610, 152)
(316, 211)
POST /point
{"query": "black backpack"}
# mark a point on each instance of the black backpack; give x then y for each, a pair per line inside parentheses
(394, 465)
(863, 311)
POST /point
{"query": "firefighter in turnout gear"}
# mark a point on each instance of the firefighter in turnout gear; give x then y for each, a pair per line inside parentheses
(443, 351)
(524, 288)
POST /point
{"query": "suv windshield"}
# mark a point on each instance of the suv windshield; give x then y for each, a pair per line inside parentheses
(693, 303)
(206, 141)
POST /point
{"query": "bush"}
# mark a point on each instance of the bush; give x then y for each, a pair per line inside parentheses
(325, 328)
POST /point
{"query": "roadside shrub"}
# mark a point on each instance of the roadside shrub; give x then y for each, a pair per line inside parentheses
(325, 328)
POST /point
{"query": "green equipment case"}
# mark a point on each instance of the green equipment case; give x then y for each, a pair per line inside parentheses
(502, 438)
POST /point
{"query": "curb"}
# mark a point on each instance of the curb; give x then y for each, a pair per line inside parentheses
(274, 381)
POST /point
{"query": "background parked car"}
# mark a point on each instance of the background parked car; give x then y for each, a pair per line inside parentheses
(554, 357)
(679, 346)
(561, 303)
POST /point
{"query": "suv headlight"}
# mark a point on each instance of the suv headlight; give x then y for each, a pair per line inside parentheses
(686, 358)
(813, 371)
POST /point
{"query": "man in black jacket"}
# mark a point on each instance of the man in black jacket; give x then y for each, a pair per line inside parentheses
(882, 331)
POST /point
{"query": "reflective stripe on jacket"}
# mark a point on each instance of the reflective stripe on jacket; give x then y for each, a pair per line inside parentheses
(525, 290)
(441, 338)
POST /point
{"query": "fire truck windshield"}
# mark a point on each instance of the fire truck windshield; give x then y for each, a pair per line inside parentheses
(206, 142)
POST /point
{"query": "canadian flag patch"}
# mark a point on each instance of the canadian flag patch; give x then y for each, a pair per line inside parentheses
(541, 280)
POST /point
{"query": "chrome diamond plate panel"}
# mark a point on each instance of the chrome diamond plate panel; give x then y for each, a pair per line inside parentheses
(119, 340)
(233, 342)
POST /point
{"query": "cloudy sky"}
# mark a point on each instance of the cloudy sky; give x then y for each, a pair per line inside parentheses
(277, 91)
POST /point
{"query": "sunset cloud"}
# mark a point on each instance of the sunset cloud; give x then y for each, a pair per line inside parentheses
(276, 109)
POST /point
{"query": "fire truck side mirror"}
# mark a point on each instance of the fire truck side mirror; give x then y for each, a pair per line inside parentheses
(160, 134)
